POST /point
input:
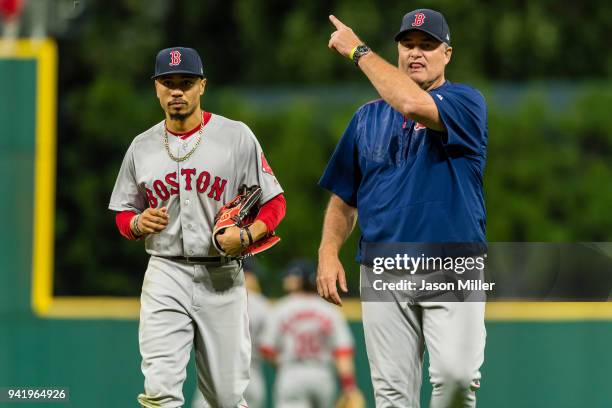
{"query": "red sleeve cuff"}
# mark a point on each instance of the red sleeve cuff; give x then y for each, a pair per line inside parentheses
(344, 351)
(272, 212)
(123, 220)
(267, 352)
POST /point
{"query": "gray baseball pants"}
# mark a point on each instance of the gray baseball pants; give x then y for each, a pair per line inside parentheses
(396, 334)
(184, 304)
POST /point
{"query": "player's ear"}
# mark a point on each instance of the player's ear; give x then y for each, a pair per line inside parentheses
(202, 86)
(448, 52)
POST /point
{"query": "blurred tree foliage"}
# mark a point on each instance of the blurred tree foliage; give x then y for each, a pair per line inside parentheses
(547, 173)
(279, 42)
(547, 168)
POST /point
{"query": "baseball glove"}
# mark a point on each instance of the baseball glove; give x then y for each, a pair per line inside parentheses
(241, 212)
(351, 399)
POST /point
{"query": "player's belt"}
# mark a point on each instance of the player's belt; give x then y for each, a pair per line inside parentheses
(201, 259)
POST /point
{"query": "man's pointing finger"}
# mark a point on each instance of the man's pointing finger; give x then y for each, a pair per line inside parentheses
(337, 23)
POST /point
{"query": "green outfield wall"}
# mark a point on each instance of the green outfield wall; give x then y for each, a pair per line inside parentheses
(527, 364)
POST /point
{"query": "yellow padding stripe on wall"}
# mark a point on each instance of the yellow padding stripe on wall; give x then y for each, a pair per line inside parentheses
(128, 308)
(44, 53)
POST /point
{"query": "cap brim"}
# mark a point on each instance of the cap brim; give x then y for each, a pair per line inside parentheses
(177, 72)
(399, 35)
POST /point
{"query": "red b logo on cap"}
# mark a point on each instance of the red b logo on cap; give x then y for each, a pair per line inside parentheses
(175, 58)
(419, 19)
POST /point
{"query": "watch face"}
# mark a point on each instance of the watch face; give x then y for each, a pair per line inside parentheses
(362, 49)
(359, 52)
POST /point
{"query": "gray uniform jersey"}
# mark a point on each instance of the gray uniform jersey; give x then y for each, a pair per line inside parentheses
(255, 394)
(258, 312)
(192, 190)
(305, 328)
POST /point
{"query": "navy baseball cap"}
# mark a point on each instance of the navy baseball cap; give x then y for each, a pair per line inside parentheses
(249, 264)
(178, 60)
(304, 269)
(428, 21)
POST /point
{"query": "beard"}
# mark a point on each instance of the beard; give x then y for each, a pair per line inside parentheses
(182, 116)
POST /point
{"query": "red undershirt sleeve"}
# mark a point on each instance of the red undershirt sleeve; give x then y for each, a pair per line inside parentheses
(123, 220)
(272, 212)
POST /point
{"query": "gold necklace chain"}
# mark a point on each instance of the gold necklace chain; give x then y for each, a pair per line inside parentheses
(193, 149)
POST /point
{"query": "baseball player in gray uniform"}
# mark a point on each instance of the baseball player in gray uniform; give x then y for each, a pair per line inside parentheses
(305, 336)
(174, 178)
(259, 307)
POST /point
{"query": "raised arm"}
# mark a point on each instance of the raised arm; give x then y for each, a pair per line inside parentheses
(394, 85)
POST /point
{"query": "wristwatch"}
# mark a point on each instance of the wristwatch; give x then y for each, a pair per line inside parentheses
(359, 52)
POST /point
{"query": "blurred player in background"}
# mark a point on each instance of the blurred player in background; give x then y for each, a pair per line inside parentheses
(10, 16)
(304, 337)
(258, 307)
